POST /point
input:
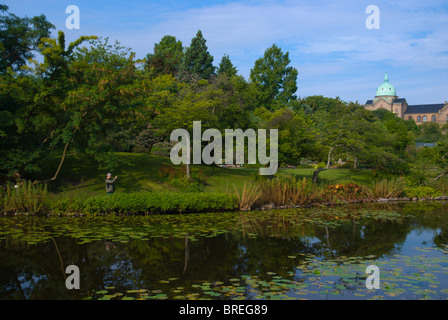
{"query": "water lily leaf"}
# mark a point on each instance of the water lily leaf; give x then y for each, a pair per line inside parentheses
(101, 292)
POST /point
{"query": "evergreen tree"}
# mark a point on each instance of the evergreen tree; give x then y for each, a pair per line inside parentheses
(226, 67)
(275, 79)
(197, 60)
(167, 57)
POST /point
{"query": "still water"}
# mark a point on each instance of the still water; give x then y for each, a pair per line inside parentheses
(314, 253)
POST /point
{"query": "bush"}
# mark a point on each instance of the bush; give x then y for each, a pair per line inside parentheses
(441, 185)
(178, 180)
(320, 165)
(421, 192)
(348, 192)
(148, 203)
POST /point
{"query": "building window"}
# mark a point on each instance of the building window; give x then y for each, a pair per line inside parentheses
(433, 118)
(424, 119)
(410, 118)
(419, 119)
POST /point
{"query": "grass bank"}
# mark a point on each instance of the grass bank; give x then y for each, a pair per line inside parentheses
(153, 185)
(81, 178)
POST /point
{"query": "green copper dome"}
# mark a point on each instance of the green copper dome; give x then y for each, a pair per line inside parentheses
(386, 89)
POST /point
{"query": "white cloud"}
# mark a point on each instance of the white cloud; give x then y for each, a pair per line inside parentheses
(327, 40)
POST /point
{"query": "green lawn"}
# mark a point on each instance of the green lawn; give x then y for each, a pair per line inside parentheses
(80, 177)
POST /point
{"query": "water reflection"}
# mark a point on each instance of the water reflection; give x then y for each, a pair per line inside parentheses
(163, 254)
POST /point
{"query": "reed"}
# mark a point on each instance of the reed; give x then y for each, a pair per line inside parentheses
(288, 191)
(23, 197)
(248, 196)
(388, 188)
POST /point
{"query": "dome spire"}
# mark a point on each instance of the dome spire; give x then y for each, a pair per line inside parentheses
(386, 89)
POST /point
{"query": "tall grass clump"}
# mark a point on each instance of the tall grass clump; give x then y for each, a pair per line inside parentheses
(23, 197)
(248, 196)
(388, 188)
(288, 191)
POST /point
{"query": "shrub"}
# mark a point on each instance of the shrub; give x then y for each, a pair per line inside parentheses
(441, 185)
(348, 191)
(179, 181)
(421, 192)
(148, 202)
(320, 165)
(185, 184)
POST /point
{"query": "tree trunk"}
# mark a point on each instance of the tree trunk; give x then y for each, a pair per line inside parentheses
(64, 154)
(187, 171)
(440, 176)
(329, 157)
(316, 174)
(355, 163)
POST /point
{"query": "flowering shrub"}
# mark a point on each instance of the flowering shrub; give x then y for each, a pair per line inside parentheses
(348, 191)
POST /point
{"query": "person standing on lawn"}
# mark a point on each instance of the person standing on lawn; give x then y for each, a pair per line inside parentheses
(110, 183)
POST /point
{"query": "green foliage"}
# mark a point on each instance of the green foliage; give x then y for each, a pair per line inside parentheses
(441, 185)
(288, 190)
(23, 197)
(197, 60)
(275, 79)
(226, 67)
(167, 57)
(19, 38)
(320, 165)
(148, 203)
(388, 188)
(345, 192)
(312, 104)
(179, 181)
(430, 132)
(421, 192)
(294, 139)
(97, 99)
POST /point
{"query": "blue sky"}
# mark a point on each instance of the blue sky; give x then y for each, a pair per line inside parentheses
(328, 42)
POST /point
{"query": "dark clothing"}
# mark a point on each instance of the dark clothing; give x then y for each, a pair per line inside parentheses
(110, 185)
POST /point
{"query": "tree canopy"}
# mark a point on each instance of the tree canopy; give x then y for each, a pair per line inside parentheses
(94, 97)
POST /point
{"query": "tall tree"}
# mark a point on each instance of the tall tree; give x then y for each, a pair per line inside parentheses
(197, 60)
(91, 94)
(19, 38)
(167, 57)
(275, 78)
(226, 67)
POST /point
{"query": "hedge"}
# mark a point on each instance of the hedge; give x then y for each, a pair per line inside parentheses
(148, 203)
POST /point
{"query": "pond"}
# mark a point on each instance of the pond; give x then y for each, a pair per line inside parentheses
(312, 253)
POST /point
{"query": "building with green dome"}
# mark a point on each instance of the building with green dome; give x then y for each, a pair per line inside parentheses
(386, 98)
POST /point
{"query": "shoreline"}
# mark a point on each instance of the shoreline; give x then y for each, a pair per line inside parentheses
(269, 206)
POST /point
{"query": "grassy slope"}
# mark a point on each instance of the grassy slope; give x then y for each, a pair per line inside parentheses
(80, 177)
